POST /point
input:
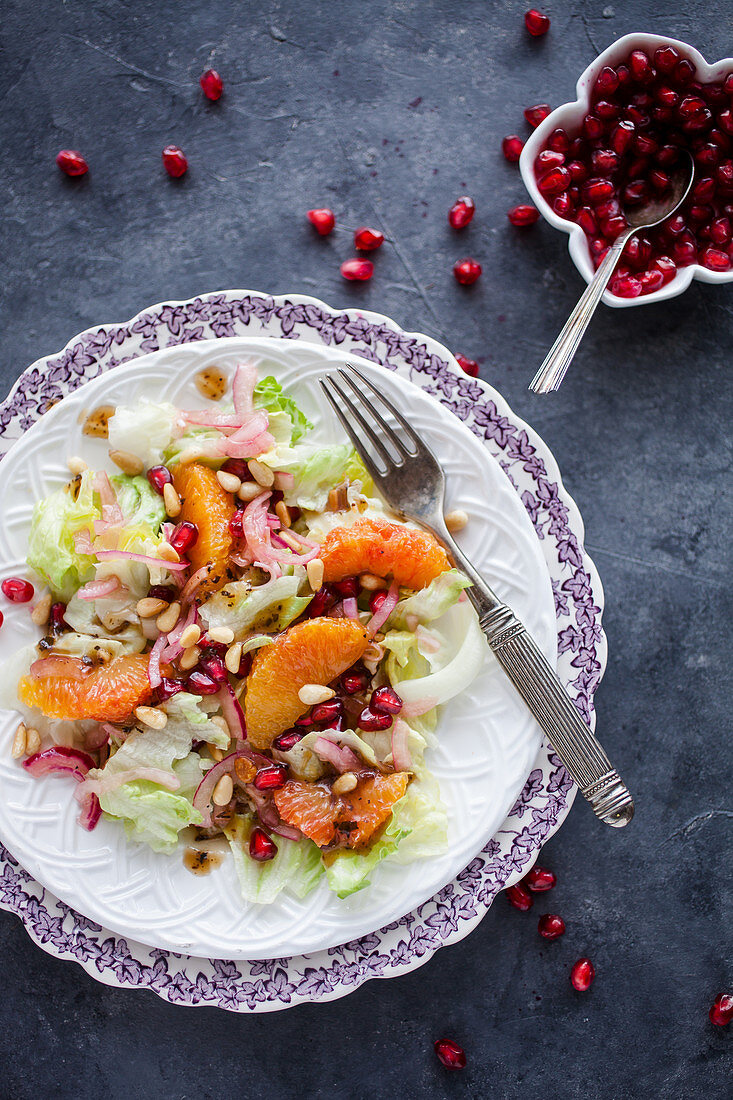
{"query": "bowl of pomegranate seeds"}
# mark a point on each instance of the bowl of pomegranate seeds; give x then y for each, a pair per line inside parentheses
(641, 104)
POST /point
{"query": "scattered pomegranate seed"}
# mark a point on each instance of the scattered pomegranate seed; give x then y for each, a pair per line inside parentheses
(467, 271)
(213, 665)
(536, 22)
(72, 162)
(519, 897)
(461, 212)
(184, 537)
(470, 366)
(370, 720)
(523, 215)
(174, 161)
(667, 266)
(211, 84)
(376, 600)
(354, 680)
(321, 601)
(347, 587)
(721, 1010)
(2, 618)
(284, 742)
(322, 219)
(582, 974)
(626, 286)
(559, 141)
(537, 114)
(512, 147)
(236, 526)
(159, 477)
(271, 778)
(17, 590)
(326, 712)
(666, 58)
(715, 259)
(261, 846)
(550, 926)
(607, 81)
(450, 1054)
(540, 879)
(58, 622)
(200, 683)
(386, 699)
(357, 270)
(367, 240)
(168, 688)
(651, 280)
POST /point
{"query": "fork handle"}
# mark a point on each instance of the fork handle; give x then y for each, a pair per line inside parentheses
(538, 684)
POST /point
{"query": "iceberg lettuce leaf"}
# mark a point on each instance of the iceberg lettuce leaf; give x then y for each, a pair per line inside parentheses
(51, 550)
(296, 868)
(268, 395)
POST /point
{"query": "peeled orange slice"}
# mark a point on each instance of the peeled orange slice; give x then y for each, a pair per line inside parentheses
(311, 652)
(205, 503)
(67, 688)
(349, 821)
(414, 558)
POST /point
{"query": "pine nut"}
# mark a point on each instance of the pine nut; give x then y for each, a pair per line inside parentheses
(216, 753)
(223, 634)
(168, 619)
(248, 490)
(223, 791)
(152, 717)
(344, 783)
(167, 552)
(283, 514)
(289, 540)
(76, 465)
(32, 741)
(230, 483)
(42, 610)
(314, 569)
(310, 694)
(149, 607)
(127, 462)
(371, 582)
(190, 636)
(456, 520)
(221, 723)
(378, 637)
(189, 658)
(171, 500)
(18, 746)
(262, 474)
(233, 658)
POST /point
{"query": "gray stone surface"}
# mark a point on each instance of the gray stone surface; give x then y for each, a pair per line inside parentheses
(388, 111)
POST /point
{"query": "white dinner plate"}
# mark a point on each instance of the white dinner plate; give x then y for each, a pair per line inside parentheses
(487, 739)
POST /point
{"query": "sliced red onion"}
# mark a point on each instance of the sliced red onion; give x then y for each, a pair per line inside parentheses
(284, 480)
(205, 789)
(351, 608)
(90, 813)
(193, 582)
(96, 590)
(243, 388)
(428, 643)
(266, 808)
(309, 543)
(288, 831)
(103, 784)
(243, 559)
(96, 737)
(258, 445)
(389, 603)
(257, 534)
(342, 757)
(154, 673)
(159, 563)
(419, 706)
(83, 542)
(232, 711)
(210, 419)
(59, 761)
(401, 759)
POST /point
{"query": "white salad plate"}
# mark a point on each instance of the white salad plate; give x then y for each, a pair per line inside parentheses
(487, 739)
(278, 982)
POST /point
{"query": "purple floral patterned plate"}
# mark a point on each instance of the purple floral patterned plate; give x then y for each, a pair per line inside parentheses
(271, 984)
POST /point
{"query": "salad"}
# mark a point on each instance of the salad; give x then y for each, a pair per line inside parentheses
(242, 646)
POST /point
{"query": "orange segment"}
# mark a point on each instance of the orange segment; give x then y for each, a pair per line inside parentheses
(349, 821)
(108, 693)
(311, 652)
(414, 558)
(206, 504)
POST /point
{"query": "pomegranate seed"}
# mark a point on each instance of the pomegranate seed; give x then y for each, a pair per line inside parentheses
(712, 258)
(200, 683)
(261, 846)
(724, 175)
(236, 526)
(638, 252)
(461, 212)
(213, 665)
(703, 120)
(605, 109)
(326, 712)
(592, 127)
(675, 225)
(174, 161)
(607, 81)
(450, 1054)
(17, 590)
(357, 270)
(611, 208)
(666, 58)
(347, 587)
(470, 366)
(519, 897)
(216, 648)
(640, 66)
(668, 97)
(563, 205)
(369, 720)
(725, 121)
(548, 159)
(598, 246)
(367, 240)
(523, 215)
(159, 477)
(167, 688)
(668, 155)
(626, 286)
(322, 220)
(700, 213)
(651, 280)
(604, 160)
(71, 162)
(586, 220)
(354, 680)
(537, 114)
(320, 603)
(304, 722)
(596, 190)
(556, 180)
(386, 699)
(184, 537)
(58, 622)
(536, 22)
(690, 106)
(640, 120)
(635, 192)
(684, 72)
(622, 136)
(467, 271)
(558, 141)
(238, 467)
(550, 926)
(667, 266)
(623, 74)
(728, 84)
(720, 231)
(211, 84)
(578, 171)
(684, 252)
(646, 146)
(284, 742)
(271, 778)
(512, 147)
(659, 180)
(721, 1011)
(582, 974)
(540, 879)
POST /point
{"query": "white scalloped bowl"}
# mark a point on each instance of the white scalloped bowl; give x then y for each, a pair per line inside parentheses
(570, 116)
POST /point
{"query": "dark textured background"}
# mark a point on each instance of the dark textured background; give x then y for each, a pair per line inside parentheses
(386, 112)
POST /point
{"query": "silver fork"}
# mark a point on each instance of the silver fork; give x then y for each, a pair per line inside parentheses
(410, 479)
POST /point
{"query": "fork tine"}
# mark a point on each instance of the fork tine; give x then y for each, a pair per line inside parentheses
(412, 435)
(377, 417)
(388, 459)
(377, 474)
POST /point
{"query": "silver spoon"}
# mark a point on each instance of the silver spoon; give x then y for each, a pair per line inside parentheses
(652, 213)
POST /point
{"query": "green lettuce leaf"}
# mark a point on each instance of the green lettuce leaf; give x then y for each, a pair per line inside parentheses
(431, 602)
(243, 608)
(268, 395)
(296, 868)
(51, 551)
(348, 871)
(144, 429)
(187, 717)
(141, 506)
(316, 471)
